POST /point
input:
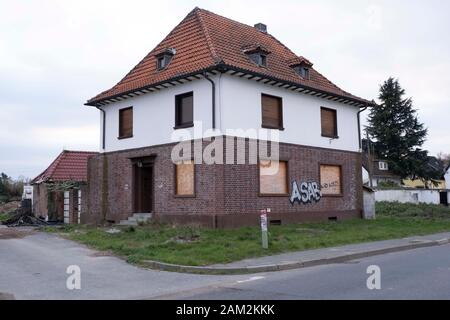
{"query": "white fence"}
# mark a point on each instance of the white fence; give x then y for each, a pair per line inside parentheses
(411, 195)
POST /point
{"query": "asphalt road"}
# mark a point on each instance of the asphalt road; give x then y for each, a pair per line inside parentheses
(415, 274)
(34, 267)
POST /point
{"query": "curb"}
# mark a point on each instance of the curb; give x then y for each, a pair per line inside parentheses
(290, 265)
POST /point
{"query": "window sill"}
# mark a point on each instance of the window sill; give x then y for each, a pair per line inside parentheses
(272, 128)
(330, 137)
(333, 195)
(268, 195)
(183, 126)
(125, 137)
(187, 196)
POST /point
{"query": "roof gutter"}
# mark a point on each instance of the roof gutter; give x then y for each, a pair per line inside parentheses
(359, 125)
(213, 104)
(222, 67)
(103, 126)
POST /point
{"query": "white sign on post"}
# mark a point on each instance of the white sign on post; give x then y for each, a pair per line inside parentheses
(264, 238)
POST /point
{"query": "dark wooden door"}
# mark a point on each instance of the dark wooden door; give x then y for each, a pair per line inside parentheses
(143, 189)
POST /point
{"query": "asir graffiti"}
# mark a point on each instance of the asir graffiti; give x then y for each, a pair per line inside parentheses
(307, 192)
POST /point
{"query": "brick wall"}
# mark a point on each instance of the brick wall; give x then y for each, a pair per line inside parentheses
(226, 195)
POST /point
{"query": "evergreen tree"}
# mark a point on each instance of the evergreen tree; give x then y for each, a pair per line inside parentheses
(397, 133)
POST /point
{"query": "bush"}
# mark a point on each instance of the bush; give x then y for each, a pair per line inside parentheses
(423, 210)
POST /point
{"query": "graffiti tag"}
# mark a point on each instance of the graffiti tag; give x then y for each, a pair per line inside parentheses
(308, 192)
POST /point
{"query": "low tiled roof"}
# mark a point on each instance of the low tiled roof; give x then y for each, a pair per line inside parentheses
(68, 166)
(205, 40)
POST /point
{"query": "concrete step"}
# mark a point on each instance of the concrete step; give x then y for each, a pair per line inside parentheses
(142, 215)
(135, 219)
(128, 223)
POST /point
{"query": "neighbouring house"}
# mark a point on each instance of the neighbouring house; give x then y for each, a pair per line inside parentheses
(59, 191)
(376, 173)
(446, 177)
(213, 79)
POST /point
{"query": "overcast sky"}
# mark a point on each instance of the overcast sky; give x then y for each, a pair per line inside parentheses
(54, 55)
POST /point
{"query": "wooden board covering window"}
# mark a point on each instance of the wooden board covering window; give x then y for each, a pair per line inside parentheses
(126, 122)
(184, 178)
(272, 112)
(184, 113)
(271, 180)
(330, 180)
(329, 123)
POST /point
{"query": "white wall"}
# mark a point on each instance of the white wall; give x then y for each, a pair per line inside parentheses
(241, 103)
(408, 196)
(369, 204)
(238, 106)
(154, 116)
(447, 179)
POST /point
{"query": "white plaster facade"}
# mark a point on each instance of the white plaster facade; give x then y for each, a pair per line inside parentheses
(238, 106)
(408, 196)
(447, 178)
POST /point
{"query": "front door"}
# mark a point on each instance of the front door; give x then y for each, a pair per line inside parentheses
(143, 188)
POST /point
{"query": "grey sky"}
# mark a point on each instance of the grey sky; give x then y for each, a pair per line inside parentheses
(56, 54)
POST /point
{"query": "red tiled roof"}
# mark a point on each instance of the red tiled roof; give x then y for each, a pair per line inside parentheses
(68, 166)
(204, 40)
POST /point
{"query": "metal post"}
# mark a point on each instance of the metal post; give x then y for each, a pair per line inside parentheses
(264, 236)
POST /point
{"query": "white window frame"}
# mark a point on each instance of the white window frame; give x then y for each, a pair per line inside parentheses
(383, 165)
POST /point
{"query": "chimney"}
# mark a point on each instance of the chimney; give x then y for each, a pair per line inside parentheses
(261, 27)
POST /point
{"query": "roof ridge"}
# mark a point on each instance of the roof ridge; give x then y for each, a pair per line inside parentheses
(209, 42)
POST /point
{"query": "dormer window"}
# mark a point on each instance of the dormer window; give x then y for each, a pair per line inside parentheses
(302, 71)
(301, 66)
(257, 54)
(259, 58)
(163, 58)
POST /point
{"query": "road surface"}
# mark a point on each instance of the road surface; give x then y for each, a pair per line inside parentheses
(34, 267)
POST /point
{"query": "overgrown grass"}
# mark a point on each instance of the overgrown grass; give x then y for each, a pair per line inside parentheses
(191, 245)
(405, 210)
(4, 217)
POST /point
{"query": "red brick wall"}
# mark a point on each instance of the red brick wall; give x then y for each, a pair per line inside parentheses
(228, 194)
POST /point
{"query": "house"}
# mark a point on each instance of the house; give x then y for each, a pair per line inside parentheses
(446, 177)
(212, 80)
(376, 173)
(58, 192)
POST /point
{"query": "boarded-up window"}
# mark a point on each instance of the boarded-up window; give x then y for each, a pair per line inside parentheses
(272, 112)
(184, 110)
(184, 178)
(126, 122)
(330, 180)
(273, 177)
(329, 122)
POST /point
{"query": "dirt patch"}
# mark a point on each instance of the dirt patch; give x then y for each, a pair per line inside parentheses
(14, 233)
(9, 206)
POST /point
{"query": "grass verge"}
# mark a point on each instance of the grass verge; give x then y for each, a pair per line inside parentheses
(190, 245)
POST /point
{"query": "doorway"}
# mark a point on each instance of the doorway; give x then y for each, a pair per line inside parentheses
(443, 198)
(143, 187)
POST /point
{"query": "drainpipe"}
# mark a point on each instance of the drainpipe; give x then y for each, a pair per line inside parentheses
(359, 126)
(213, 106)
(103, 127)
